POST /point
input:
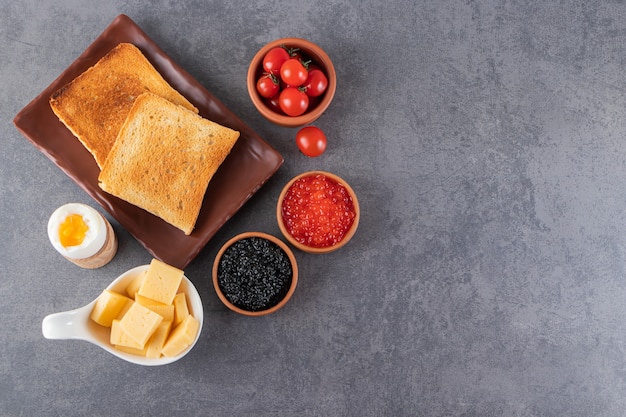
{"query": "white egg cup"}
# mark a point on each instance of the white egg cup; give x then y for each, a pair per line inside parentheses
(100, 243)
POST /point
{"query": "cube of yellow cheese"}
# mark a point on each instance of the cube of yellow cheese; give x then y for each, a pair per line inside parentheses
(156, 342)
(134, 285)
(120, 338)
(126, 307)
(108, 307)
(161, 282)
(132, 351)
(139, 323)
(181, 311)
(164, 310)
(181, 337)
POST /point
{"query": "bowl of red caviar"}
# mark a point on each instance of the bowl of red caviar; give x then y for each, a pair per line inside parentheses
(318, 212)
(255, 274)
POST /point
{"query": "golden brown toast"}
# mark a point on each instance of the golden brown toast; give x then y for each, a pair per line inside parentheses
(164, 158)
(95, 104)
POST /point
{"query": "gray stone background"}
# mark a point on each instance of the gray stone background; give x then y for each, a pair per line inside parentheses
(485, 140)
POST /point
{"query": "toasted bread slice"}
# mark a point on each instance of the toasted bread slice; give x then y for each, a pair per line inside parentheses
(95, 104)
(164, 158)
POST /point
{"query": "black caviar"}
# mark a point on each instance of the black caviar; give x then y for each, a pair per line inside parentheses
(254, 274)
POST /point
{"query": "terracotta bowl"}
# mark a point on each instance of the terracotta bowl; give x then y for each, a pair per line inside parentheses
(313, 52)
(307, 247)
(224, 296)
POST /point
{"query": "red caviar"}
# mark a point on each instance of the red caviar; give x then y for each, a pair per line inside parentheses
(318, 211)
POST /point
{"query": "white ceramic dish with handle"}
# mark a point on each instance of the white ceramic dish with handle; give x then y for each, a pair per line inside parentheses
(76, 324)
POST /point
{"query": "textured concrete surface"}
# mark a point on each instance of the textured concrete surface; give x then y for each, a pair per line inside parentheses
(485, 140)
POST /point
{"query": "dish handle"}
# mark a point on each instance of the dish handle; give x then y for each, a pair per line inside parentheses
(67, 324)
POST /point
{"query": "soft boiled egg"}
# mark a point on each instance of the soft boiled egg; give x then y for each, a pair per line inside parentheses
(77, 231)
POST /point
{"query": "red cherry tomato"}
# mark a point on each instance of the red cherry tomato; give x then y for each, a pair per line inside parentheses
(311, 141)
(293, 72)
(313, 102)
(316, 83)
(274, 59)
(295, 53)
(267, 86)
(272, 103)
(293, 101)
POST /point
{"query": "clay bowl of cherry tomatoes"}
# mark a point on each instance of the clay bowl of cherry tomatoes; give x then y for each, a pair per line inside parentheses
(291, 81)
(317, 212)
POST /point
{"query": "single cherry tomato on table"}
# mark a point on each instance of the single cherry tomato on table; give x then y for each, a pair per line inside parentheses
(311, 141)
(316, 83)
(293, 72)
(293, 101)
(274, 59)
(267, 86)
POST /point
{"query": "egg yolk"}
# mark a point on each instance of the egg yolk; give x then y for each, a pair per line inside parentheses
(73, 230)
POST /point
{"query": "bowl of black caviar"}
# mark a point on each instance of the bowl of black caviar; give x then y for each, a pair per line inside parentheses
(255, 274)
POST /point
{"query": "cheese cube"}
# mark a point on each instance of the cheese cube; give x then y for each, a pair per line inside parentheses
(181, 311)
(120, 338)
(156, 342)
(134, 285)
(129, 303)
(164, 310)
(139, 323)
(161, 282)
(108, 307)
(132, 351)
(181, 337)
